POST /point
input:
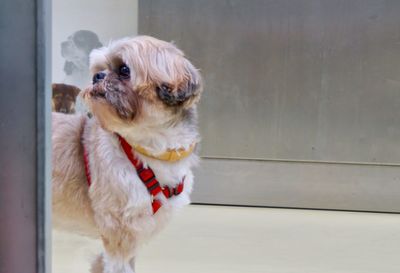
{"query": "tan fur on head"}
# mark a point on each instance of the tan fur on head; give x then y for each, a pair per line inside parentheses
(160, 78)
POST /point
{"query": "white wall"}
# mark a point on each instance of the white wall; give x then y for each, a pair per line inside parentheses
(109, 19)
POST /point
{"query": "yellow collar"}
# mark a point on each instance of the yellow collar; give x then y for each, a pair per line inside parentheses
(169, 155)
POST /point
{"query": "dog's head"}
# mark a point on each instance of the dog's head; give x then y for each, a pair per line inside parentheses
(64, 96)
(139, 81)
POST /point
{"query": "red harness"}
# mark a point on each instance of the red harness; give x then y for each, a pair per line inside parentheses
(145, 174)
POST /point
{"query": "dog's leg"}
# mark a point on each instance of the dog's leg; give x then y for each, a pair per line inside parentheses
(119, 253)
(97, 265)
(132, 263)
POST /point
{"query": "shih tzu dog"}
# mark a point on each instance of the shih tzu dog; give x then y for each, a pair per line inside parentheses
(64, 98)
(122, 174)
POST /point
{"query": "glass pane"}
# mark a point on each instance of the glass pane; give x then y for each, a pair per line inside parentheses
(78, 28)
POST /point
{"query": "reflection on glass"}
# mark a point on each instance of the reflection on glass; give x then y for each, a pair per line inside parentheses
(75, 50)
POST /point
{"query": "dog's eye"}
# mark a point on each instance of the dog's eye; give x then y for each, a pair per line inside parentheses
(124, 71)
(166, 88)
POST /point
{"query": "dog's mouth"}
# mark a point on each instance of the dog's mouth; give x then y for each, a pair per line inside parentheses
(100, 95)
(97, 92)
(108, 97)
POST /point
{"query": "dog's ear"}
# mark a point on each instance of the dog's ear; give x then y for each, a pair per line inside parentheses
(76, 91)
(186, 93)
(193, 88)
(55, 89)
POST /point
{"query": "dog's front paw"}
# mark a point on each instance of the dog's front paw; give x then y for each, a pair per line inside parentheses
(106, 264)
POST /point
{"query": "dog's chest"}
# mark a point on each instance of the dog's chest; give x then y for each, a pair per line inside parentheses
(118, 179)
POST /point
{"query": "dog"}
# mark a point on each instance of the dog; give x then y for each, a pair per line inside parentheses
(64, 97)
(75, 50)
(122, 174)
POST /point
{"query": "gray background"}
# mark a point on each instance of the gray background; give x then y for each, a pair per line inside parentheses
(293, 80)
(289, 82)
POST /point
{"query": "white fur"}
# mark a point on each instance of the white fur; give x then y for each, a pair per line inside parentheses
(123, 183)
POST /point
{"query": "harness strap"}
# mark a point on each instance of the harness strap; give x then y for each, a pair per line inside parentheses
(146, 175)
(87, 168)
(149, 179)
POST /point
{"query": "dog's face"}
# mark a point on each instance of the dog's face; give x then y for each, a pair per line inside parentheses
(140, 81)
(64, 96)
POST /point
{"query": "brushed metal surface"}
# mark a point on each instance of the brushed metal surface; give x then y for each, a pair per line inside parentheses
(25, 204)
(43, 134)
(298, 185)
(311, 80)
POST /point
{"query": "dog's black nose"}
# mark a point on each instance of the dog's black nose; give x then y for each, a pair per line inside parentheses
(98, 77)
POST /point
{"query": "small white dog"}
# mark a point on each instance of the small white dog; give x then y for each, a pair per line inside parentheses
(120, 175)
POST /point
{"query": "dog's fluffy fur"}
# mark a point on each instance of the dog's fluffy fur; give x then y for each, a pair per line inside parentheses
(155, 108)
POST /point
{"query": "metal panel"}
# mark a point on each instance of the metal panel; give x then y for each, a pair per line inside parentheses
(43, 133)
(290, 84)
(24, 133)
(298, 185)
(315, 80)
